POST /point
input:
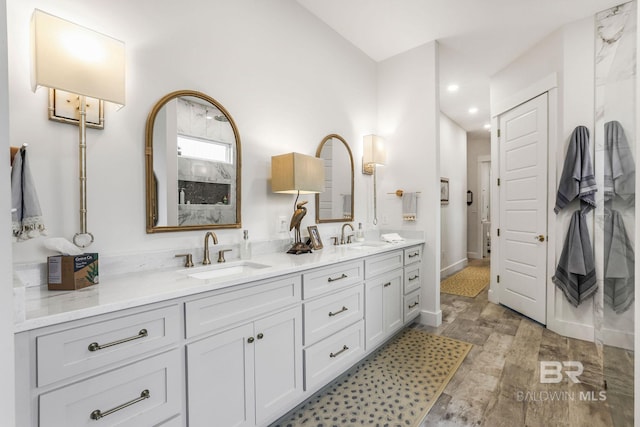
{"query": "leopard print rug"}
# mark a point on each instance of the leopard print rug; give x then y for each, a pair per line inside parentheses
(395, 386)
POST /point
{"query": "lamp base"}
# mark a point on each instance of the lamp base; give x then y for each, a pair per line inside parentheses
(299, 248)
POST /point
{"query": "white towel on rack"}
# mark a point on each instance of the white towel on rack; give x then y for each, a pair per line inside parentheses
(26, 216)
(409, 206)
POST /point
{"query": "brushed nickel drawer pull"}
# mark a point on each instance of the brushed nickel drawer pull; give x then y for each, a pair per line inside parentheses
(415, 254)
(414, 304)
(337, 353)
(343, 309)
(94, 346)
(387, 284)
(97, 414)
(411, 279)
(330, 279)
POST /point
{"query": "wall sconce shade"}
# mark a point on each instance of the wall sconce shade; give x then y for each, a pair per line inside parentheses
(373, 153)
(296, 173)
(76, 59)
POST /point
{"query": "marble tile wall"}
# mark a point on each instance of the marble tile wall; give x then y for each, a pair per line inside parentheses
(615, 74)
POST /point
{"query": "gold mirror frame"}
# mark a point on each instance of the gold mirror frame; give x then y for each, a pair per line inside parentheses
(318, 154)
(151, 188)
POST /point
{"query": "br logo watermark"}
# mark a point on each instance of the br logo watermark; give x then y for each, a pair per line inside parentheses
(554, 372)
(551, 372)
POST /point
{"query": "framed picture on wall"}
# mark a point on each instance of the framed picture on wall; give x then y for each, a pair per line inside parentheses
(314, 235)
(444, 191)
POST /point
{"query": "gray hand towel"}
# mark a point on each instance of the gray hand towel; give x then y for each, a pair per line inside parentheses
(576, 273)
(26, 216)
(619, 274)
(577, 178)
(619, 167)
(409, 206)
(346, 206)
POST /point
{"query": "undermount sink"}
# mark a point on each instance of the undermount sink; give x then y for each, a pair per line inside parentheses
(365, 245)
(223, 269)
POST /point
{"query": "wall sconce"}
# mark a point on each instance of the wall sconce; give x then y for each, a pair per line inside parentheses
(66, 56)
(296, 173)
(373, 155)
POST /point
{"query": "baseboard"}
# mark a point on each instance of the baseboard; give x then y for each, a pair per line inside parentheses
(454, 268)
(616, 338)
(575, 330)
(493, 296)
(431, 318)
(473, 255)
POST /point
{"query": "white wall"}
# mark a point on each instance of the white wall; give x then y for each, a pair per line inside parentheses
(408, 117)
(285, 77)
(7, 390)
(477, 146)
(453, 216)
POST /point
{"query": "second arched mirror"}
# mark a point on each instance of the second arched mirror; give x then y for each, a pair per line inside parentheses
(335, 204)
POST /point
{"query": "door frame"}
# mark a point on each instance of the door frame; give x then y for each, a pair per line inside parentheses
(481, 160)
(549, 84)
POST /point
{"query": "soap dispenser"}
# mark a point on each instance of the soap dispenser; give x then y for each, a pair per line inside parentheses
(359, 233)
(245, 245)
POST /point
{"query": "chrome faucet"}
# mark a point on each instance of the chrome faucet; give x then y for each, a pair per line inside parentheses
(342, 241)
(206, 260)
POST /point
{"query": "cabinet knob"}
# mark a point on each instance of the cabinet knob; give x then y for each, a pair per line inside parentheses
(260, 335)
(250, 340)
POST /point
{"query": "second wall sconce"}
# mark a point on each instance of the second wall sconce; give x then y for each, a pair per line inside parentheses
(373, 155)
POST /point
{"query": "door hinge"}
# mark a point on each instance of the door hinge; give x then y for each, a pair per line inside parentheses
(498, 182)
(498, 232)
(498, 278)
(498, 133)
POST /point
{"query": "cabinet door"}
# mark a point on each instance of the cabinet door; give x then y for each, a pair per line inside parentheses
(278, 363)
(220, 379)
(383, 307)
(393, 303)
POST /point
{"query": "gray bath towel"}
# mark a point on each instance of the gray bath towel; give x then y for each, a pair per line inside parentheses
(409, 206)
(619, 275)
(26, 216)
(619, 167)
(346, 206)
(577, 178)
(576, 273)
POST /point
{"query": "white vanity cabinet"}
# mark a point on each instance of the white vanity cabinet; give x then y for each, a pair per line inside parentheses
(383, 292)
(333, 321)
(248, 370)
(120, 369)
(412, 282)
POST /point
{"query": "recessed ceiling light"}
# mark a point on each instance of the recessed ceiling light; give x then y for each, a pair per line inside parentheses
(487, 126)
(473, 110)
(453, 87)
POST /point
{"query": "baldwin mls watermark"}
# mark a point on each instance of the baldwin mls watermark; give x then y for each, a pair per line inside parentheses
(554, 372)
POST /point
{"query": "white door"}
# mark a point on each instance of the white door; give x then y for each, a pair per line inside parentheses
(523, 140)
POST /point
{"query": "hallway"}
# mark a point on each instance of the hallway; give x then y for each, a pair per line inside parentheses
(498, 384)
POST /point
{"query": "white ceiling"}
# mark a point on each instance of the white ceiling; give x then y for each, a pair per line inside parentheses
(477, 37)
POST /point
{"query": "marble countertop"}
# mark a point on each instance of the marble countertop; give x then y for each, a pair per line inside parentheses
(42, 307)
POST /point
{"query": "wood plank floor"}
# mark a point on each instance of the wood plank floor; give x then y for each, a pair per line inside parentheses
(499, 382)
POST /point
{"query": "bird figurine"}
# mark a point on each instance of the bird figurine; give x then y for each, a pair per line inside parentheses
(298, 247)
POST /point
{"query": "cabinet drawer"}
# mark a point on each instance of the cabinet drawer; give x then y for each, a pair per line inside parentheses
(218, 311)
(412, 277)
(412, 254)
(85, 348)
(412, 306)
(329, 357)
(329, 314)
(144, 393)
(322, 280)
(382, 263)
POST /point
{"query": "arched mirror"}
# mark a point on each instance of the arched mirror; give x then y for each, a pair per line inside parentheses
(193, 164)
(335, 204)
